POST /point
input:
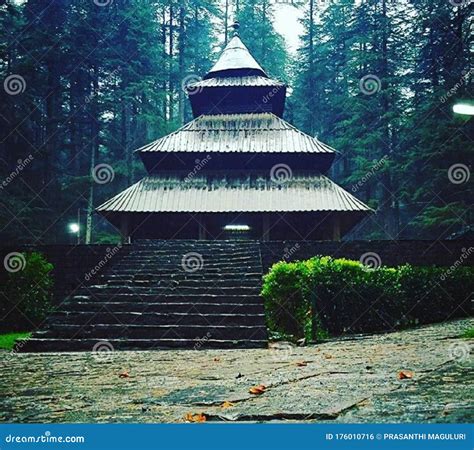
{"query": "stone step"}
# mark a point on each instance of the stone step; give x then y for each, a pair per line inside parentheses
(153, 318)
(206, 271)
(157, 265)
(215, 255)
(161, 307)
(75, 345)
(193, 242)
(181, 290)
(235, 278)
(170, 298)
(178, 284)
(150, 298)
(174, 331)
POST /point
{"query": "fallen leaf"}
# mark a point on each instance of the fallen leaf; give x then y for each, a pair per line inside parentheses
(197, 418)
(257, 390)
(405, 374)
(301, 363)
(227, 404)
(124, 374)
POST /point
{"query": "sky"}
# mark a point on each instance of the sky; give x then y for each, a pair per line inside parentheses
(287, 24)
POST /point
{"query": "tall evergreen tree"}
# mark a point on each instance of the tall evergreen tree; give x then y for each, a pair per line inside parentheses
(257, 31)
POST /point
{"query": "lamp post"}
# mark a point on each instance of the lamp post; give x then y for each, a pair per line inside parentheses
(74, 228)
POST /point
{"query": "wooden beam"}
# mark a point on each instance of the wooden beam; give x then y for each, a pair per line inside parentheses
(336, 230)
(125, 229)
(266, 228)
(202, 229)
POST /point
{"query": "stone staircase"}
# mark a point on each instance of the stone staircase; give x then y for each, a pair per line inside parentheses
(164, 294)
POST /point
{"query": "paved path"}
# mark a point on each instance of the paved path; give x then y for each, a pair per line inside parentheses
(343, 381)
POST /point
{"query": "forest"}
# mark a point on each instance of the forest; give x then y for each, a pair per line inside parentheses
(84, 83)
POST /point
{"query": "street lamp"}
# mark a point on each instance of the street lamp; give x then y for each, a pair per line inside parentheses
(74, 228)
(464, 108)
(232, 227)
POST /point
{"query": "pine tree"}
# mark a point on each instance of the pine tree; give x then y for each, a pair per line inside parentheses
(258, 34)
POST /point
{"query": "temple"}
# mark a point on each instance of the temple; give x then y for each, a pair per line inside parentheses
(238, 170)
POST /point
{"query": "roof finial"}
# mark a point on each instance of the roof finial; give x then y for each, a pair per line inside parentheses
(236, 26)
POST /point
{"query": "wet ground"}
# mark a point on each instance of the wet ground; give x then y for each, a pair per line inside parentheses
(418, 375)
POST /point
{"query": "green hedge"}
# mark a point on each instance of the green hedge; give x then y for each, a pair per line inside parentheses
(26, 292)
(325, 295)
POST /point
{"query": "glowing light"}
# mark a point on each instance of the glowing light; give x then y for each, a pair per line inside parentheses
(232, 227)
(464, 109)
(74, 227)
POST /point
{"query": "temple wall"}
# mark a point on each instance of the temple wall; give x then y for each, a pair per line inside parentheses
(76, 264)
(73, 264)
(390, 253)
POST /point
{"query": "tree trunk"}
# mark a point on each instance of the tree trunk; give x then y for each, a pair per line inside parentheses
(170, 55)
(182, 45)
(226, 23)
(94, 153)
(311, 59)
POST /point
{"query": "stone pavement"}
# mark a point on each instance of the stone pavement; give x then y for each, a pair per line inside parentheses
(354, 380)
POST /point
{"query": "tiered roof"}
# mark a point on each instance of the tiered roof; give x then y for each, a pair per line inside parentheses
(238, 125)
(235, 58)
(230, 194)
(242, 133)
(236, 84)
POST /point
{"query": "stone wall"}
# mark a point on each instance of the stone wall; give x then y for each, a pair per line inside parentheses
(389, 253)
(73, 264)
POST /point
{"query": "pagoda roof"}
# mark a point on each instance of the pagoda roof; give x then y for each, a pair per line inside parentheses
(223, 194)
(242, 133)
(240, 81)
(235, 59)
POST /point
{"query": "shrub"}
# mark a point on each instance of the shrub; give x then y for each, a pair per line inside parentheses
(26, 298)
(310, 298)
(288, 310)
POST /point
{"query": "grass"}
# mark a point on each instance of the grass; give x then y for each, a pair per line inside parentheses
(468, 334)
(7, 341)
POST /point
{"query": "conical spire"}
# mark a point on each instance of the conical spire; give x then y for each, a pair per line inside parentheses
(235, 60)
